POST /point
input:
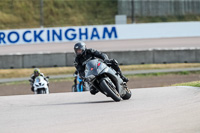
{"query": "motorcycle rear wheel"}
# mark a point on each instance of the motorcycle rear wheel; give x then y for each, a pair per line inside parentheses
(127, 95)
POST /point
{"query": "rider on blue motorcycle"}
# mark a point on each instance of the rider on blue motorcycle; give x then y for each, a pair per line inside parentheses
(79, 84)
(83, 54)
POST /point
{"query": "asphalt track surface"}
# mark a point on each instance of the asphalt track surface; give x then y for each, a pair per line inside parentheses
(150, 110)
(114, 45)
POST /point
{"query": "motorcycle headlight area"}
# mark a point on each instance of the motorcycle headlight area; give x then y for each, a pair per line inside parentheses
(37, 85)
(90, 78)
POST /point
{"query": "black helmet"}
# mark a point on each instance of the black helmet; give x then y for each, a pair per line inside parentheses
(79, 46)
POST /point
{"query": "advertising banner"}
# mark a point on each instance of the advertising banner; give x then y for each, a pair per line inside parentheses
(101, 32)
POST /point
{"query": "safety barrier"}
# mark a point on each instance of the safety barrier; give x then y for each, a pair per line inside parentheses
(150, 56)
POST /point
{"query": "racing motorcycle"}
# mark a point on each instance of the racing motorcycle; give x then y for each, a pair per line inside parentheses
(105, 79)
(79, 84)
(40, 85)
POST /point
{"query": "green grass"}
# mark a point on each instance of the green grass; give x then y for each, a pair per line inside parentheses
(162, 74)
(59, 13)
(158, 66)
(26, 82)
(18, 73)
(193, 84)
(129, 76)
(26, 13)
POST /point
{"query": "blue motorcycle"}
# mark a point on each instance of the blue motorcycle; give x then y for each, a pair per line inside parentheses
(79, 85)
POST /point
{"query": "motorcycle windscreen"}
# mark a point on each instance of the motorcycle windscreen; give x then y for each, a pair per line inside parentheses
(94, 67)
(38, 79)
(91, 68)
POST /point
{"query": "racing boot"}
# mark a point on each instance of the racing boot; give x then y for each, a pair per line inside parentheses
(93, 91)
(125, 79)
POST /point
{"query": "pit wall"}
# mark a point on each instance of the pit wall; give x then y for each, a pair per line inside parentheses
(150, 56)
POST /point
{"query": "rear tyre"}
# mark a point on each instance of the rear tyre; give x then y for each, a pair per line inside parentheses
(112, 92)
(127, 95)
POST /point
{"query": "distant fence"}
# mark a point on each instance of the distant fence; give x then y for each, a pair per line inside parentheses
(158, 7)
(151, 56)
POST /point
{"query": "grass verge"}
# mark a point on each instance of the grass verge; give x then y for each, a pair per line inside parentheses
(129, 76)
(18, 73)
(162, 74)
(27, 82)
(193, 84)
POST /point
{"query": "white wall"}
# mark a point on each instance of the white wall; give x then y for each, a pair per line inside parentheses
(100, 32)
(159, 30)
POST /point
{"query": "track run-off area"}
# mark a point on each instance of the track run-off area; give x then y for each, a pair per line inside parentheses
(150, 110)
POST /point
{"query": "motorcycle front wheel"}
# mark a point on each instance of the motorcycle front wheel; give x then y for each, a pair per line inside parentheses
(112, 92)
(41, 91)
(74, 88)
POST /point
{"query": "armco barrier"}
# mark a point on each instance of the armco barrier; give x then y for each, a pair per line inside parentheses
(11, 61)
(175, 55)
(44, 60)
(197, 55)
(70, 59)
(190, 55)
(132, 57)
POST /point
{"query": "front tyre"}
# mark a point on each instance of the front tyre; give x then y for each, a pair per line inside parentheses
(112, 92)
(41, 91)
(74, 88)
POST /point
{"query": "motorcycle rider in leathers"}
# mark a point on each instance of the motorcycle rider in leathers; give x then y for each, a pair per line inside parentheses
(83, 54)
(35, 74)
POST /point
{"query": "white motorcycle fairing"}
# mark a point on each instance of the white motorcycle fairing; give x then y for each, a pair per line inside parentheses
(40, 85)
